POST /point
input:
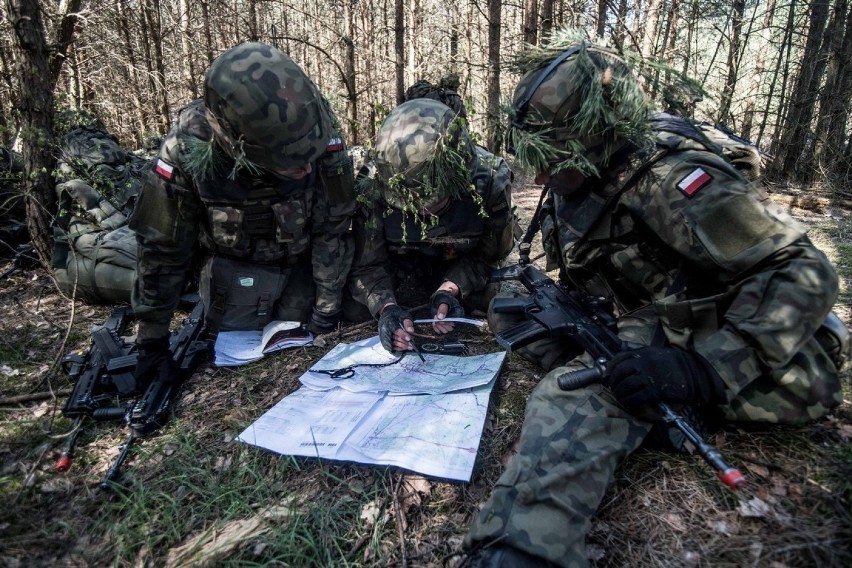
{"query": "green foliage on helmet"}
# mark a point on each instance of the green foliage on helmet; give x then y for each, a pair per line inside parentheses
(423, 155)
(575, 107)
(264, 110)
(68, 119)
(95, 156)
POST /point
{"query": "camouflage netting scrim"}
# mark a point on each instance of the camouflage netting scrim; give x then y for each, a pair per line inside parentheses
(423, 154)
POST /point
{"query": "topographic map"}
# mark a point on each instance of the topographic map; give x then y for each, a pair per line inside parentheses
(435, 434)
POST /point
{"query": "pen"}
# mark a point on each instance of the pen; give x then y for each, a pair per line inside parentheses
(414, 345)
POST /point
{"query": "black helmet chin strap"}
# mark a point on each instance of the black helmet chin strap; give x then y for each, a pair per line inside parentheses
(523, 105)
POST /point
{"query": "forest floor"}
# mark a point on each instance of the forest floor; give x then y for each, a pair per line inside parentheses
(193, 496)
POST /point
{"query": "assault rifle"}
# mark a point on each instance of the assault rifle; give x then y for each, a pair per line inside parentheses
(586, 321)
(105, 375)
(24, 258)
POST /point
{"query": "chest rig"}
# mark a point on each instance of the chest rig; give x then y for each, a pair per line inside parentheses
(456, 233)
(263, 219)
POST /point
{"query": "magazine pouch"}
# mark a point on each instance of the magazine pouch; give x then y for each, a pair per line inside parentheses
(240, 295)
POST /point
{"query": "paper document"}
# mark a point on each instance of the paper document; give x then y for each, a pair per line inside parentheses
(438, 374)
(241, 347)
(477, 323)
(436, 435)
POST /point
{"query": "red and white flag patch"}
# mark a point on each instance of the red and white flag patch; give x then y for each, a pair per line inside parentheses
(694, 181)
(334, 145)
(164, 169)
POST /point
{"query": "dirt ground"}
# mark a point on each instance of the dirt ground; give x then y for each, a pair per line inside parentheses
(192, 496)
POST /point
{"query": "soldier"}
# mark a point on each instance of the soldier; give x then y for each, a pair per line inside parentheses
(433, 206)
(720, 296)
(258, 177)
(94, 256)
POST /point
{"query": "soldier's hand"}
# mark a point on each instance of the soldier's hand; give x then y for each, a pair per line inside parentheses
(154, 361)
(445, 305)
(391, 332)
(324, 323)
(663, 374)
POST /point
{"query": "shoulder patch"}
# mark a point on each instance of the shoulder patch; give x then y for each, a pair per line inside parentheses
(164, 169)
(334, 145)
(697, 179)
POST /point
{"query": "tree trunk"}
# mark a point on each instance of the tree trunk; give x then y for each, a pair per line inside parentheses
(492, 129)
(349, 69)
(601, 27)
(399, 48)
(765, 37)
(733, 63)
(796, 133)
(546, 16)
(36, 108)
(530, 22)
(837, 93)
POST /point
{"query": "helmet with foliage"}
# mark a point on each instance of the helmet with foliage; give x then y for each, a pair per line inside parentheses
(423, 155)
(576, 105)
(68, 119)
(264, 110)
(95, 156)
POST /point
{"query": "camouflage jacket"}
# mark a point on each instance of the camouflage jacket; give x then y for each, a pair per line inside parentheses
(682, 242)
(261, 218)
(468, 238)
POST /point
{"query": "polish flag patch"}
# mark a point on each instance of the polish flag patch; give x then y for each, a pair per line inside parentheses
(694, 181)
(164, 169)
(334, 145)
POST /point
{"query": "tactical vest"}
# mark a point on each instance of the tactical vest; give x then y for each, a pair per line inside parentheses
(456, 233)
(263, 219)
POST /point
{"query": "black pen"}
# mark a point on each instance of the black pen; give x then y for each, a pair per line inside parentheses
(414, 345)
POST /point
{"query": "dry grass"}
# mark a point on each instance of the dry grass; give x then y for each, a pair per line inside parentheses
(195, 497)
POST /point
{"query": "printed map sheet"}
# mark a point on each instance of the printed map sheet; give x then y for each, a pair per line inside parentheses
(436, 433)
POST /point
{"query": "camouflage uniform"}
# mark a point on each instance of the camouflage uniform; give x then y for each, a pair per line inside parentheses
(272, 247)
(462, 243)
(97, 185)
(688, 249)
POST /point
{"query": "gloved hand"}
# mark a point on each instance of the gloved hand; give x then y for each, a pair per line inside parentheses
(454, 310)
(324, 323)
(663, 374)
(154, 360)
(390, 322)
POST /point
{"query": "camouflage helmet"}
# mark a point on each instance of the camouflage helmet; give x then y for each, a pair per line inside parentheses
(94, 155)
(68, 119)
(578, 105)
(264, 109)
(423, 155)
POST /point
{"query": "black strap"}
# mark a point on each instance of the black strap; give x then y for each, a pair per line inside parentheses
(525, 245)
(349, 372)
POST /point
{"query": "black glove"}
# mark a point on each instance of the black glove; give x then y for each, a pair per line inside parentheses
(154, 360)
(324, 323)
(390, 321)
(454, 307)
(663, 374)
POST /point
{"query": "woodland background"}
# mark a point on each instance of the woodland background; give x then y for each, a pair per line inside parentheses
(777, 73)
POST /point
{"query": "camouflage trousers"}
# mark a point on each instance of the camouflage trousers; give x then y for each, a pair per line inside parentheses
(571, 443)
